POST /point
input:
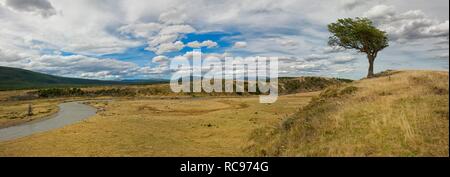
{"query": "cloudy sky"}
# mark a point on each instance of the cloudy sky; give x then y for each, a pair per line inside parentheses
(123, 39)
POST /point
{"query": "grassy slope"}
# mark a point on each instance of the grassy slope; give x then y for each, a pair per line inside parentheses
(290, 85)
(404, 114)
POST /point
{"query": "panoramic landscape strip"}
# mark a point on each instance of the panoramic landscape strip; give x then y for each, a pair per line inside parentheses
(132, 78)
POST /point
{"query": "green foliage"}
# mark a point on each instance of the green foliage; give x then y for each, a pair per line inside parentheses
(72, 92)
(359, 34)
(114, 92)
(58, 92)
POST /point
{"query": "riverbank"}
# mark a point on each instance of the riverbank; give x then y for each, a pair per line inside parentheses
(68, 113)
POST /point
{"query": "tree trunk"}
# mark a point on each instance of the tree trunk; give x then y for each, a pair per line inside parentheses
(371, 61)
(30, 110)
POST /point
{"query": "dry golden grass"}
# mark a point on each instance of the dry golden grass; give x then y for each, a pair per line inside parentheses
(405, 114)
(161, 127)
(5, 95)
(16, 112)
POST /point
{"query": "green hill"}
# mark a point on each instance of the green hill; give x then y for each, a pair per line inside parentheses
(15, 78)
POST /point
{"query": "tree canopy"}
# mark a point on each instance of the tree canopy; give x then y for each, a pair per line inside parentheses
(359, 34)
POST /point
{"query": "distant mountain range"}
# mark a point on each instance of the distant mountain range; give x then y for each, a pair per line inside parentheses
(15, 78)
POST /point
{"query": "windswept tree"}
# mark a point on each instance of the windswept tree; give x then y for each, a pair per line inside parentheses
(359, 34)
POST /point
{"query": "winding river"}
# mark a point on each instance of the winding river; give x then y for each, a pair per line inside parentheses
(68, 113)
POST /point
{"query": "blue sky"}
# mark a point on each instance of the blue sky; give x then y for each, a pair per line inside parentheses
(133, 39)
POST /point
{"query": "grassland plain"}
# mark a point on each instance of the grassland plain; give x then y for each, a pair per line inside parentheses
(161, 127)
(396, 114)
(401, 113)
(14, 104)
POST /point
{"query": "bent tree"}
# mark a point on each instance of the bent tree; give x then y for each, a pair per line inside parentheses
(359, 34)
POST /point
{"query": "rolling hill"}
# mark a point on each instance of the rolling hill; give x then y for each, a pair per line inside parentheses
(15, 78)
(398, 113)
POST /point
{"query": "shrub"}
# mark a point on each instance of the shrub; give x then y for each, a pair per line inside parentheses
(58, 92)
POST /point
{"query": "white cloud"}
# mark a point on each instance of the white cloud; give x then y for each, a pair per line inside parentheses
(412, 28)
(207, 43)
(85, 67)
(308, 67)
(286, 41)
(161, 37)
(177, 29)
(333, 49)
(167, 47)
(159, 59)
(381, 12)
(315, 57)
(76, 65)
(9, 56)
(240, 44)
(72, 31)
(443, 55)
(40, 7)
(284, 28)
(352, 4)
(105, 75)
(144, 30)
(410, 25)
(173, 17)
(343, 59)
(161, 69)
(221, 56)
